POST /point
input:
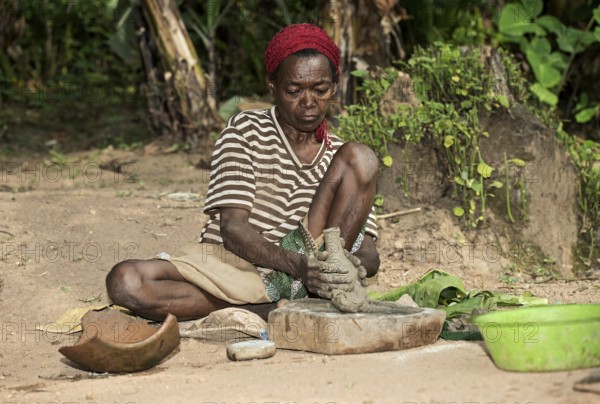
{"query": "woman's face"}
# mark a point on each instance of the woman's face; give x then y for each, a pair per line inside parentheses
(303, 90)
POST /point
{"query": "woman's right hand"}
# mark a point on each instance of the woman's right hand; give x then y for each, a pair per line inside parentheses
(322, 279)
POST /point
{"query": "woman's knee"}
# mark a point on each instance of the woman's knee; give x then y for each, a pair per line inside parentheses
(362, 159)
(124, 281)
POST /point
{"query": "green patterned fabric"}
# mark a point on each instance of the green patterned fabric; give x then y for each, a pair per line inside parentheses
(280, 285)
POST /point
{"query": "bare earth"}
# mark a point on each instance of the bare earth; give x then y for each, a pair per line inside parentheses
(60, 236)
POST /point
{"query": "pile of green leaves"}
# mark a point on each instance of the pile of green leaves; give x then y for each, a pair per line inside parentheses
(440, 290)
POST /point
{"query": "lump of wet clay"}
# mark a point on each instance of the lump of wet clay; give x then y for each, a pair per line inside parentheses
(355, 299)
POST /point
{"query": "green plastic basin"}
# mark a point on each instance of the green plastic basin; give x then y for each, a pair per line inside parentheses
(543, 338)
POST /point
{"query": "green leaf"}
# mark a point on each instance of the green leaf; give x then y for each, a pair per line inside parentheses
(496, 184)
(597, 14)
(540, 45)
(558, 60)
(515, 21)
(459, 181)
(544, 94)
(597, 33)
(123, 41)
(360, 73)
(552, 24)
(503, 101)
(440, 290)
(476, 186)
(468, 305)
(466, 104)
(546, 74)
(388, 161)
(484, 170)
(587, 114)
(448, 141)
(517, 162)
(230, 107)
(533, 8)
(527, 299)
(583, 102)
(378, 201)
(575, 40)
(64, 289)
(458, 211)
(395, 294)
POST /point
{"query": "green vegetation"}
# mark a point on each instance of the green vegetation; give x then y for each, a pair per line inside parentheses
(64, 53)
(586, 156)
(559, 49)
(451, 86)
(550, 48)
(440, 290)
(527, 259)
(71, 77)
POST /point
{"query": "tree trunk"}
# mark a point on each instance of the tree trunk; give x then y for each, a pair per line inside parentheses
(357, 27)
(181, 102)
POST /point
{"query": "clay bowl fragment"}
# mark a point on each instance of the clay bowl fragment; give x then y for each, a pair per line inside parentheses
(115, 342)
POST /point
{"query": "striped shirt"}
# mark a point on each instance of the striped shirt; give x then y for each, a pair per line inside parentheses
(253, 167)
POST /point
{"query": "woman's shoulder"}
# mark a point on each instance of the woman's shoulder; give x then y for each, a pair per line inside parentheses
(248, 127)
(336, 141)
(258, 117)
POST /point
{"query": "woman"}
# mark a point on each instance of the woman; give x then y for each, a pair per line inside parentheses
(278, 179)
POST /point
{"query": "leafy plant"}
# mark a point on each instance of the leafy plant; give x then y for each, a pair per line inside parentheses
(67, 41)
(363, 122)
(586, 156)
(451, 86)
(550, 48)
(378, 203)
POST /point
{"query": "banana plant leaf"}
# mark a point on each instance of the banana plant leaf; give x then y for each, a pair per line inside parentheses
(434, 286)
(440, 290)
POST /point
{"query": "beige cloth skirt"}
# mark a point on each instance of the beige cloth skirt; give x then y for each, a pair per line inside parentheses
(221, 273)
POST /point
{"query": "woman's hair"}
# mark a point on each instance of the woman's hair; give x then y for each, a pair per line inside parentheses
(306, 54)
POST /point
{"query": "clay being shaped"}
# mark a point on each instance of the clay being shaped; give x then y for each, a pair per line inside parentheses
(352, 299)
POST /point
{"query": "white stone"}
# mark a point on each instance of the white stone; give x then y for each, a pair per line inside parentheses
(255, 349)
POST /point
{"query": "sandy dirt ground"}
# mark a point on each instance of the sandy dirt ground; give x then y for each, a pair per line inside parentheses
(64, 229)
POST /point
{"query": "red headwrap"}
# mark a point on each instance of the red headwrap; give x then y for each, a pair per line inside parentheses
(297, 37)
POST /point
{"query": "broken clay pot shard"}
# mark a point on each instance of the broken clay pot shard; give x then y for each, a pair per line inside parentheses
(115, 342)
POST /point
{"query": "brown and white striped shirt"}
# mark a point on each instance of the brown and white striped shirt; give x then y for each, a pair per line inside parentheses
(253, 167)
